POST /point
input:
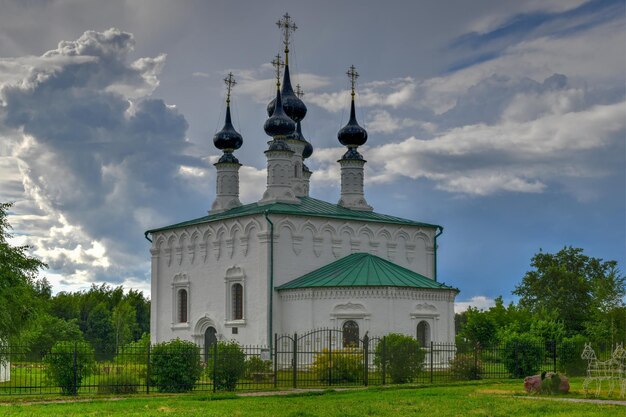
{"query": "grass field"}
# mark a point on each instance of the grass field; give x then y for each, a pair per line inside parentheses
(476, 399)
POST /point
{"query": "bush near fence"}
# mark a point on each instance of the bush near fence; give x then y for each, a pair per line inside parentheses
(341, 365)
(175, 366)
(315, 359)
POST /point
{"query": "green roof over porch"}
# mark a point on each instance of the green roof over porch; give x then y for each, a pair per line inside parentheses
(310, 207)
(363, 270)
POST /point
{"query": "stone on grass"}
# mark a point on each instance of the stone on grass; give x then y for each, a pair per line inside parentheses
(533, 383)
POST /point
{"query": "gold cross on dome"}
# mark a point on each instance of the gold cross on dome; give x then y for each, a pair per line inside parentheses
(277, 63)
(230, 83)
(286, 25)
(353, 75)
(299, 91)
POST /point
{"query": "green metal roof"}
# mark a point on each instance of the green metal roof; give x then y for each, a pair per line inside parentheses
(363, 270)
(308, 206)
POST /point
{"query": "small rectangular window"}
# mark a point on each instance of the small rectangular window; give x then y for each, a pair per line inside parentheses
(235, 330)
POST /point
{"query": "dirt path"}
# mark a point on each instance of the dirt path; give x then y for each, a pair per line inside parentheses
(578, 400)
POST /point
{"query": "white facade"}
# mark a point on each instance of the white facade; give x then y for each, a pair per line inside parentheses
(216, 277)
(207, 259)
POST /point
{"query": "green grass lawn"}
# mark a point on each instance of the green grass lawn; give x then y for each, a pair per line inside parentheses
(485, 398)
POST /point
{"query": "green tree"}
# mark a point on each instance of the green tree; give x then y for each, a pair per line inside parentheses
(480, 327)
(100, 331)
(572, 286)
(20, 290)
(46, 331)
(123, 321)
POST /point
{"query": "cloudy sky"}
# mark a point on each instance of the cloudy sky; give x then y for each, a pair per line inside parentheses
(503, 121)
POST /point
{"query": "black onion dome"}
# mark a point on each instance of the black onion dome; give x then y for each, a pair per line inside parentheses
(293, 106)
(352, 134)
(279, 124)
(228, 137)
(308, 150)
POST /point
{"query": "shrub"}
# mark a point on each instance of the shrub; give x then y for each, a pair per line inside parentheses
(257, 368)
(550, 383)
(568, 352)
(125, 383)
(465, 366)
(402, 357)
(229, 367)
(175, 366)
(523, 353)
(342, 365)
(68, 363)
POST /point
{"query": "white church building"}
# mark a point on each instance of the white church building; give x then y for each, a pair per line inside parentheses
(290, 262)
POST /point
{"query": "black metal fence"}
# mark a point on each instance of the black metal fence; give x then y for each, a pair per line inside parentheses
(316, 359)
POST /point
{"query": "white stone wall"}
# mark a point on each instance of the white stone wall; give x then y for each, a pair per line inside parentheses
(5, 371)
(204, 258)
(377, 311)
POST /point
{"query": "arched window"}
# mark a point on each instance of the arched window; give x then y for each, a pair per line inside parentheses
(237, 294)
(423, 333)
(297, 170)
(182, 306)
(350, 334)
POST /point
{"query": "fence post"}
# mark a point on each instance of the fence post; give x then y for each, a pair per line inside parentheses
(431, 361)
(295, 360)
(516, 360)
(330, 357)
(275, 359)
(75, 370)
(384, 359)
(214, 346)
(475, 372)
(366, 348)
(148, 369)
(554, 355)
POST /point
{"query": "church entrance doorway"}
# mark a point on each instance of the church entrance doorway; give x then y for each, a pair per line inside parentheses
(210, 338)
(423, 333)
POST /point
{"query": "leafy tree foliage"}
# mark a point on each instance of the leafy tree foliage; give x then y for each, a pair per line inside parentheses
(20, 290)
(573, 286)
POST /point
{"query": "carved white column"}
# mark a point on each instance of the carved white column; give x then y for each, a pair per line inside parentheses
(279, 174)
(352, 195)
(306, 180)
(227, 192)
(297, 180)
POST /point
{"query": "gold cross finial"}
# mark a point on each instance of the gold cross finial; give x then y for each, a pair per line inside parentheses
(353, 75)
(230, 83)
(277, 63)
(299, 91)
(286, 25)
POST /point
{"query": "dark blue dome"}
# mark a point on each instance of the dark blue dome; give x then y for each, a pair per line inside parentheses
(308, 150)
(228, 137)
(293, 106)
(352, 134)
(279, 124)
